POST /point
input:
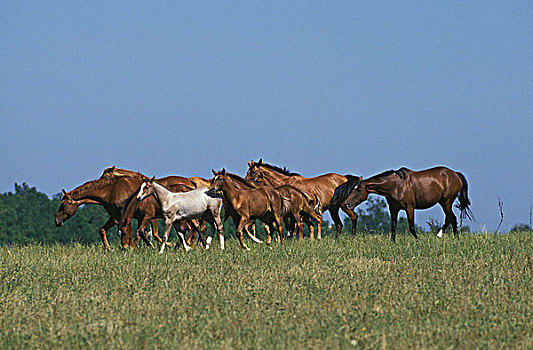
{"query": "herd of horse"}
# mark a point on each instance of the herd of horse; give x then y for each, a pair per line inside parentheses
(272, 194)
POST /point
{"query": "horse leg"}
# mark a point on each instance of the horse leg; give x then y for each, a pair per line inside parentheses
(168, 227)
(217, 224)
(201, 228)
(309, 224)
(353, 216)
(182, 238)
(155, 229)
(279, 225)
(299, 226)
(393, 221)
(110, 222)
(411, 219)
(240, 227)
(252, 237)
(336, 219)
(450, 218)
(143, 224)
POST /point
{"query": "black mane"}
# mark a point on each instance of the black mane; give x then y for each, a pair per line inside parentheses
(402, 173)
(343, 190)
(284, 170)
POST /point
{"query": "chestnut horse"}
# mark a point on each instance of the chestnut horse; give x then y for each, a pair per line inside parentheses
(247, 205)
(300, 207)
(113, 194)
(408, 190)
(195, 182)
(322, 187)
(149, 211)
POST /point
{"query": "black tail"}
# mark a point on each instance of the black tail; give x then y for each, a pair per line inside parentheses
(464, 201)
(343, 191)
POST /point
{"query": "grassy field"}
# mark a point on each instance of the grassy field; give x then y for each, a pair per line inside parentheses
(364, 292)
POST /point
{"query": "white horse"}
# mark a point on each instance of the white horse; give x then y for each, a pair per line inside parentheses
(195, 204)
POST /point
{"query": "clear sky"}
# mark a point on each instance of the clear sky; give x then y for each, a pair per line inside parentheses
(317, 86)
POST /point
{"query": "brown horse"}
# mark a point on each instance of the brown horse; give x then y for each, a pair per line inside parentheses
(111, 193)
(195, 182)
(322, 187)
(149, 211)
(408, 190)
(300, 207)
(247, 205)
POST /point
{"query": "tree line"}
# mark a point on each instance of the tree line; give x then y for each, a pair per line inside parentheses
(27, 216)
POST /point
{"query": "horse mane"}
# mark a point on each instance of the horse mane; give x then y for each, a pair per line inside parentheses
(93, 185)
(119, 172)
(402, 173)
(239, 179)
(343, 190)
(283, 171)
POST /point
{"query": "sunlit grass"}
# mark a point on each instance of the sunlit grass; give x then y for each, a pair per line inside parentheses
(359, 291)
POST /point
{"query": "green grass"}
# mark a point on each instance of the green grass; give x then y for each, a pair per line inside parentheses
(364, 291)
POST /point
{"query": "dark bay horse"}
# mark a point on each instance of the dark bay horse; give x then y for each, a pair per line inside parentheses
(247, 205)
(408, 190)
(322, 187)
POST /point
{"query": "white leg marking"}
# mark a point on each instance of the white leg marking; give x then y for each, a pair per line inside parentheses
(440, 233)
(221, 242)
(208, 242)
(183, 241)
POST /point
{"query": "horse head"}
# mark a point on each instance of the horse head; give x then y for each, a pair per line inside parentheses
(147, 189)
(66, 210)
(358, 195)
(218, 180)
(255, 174)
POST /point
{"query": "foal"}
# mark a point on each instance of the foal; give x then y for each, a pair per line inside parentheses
(263, 203)
(195, 204)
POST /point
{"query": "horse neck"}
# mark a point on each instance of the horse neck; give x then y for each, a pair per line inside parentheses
(274, 178)
(239, 182)
(92, 191)
(231, 193)
(161, 194)
(384, 186)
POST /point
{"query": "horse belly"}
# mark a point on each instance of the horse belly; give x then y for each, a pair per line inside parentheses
(427, 196)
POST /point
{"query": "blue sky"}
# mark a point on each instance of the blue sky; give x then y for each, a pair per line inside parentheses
(348, 87)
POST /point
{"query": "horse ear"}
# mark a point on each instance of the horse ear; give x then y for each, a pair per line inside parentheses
(223, 171)
(112, 168)
(214, 172)
(260, 161)
(250, 164)
(152, 179)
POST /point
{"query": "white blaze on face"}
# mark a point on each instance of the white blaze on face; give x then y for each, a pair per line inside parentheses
(140, 194)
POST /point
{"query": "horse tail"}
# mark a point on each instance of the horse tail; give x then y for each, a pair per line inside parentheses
(343, 191)
(318, 206)
(285, 205)
(464, 201)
